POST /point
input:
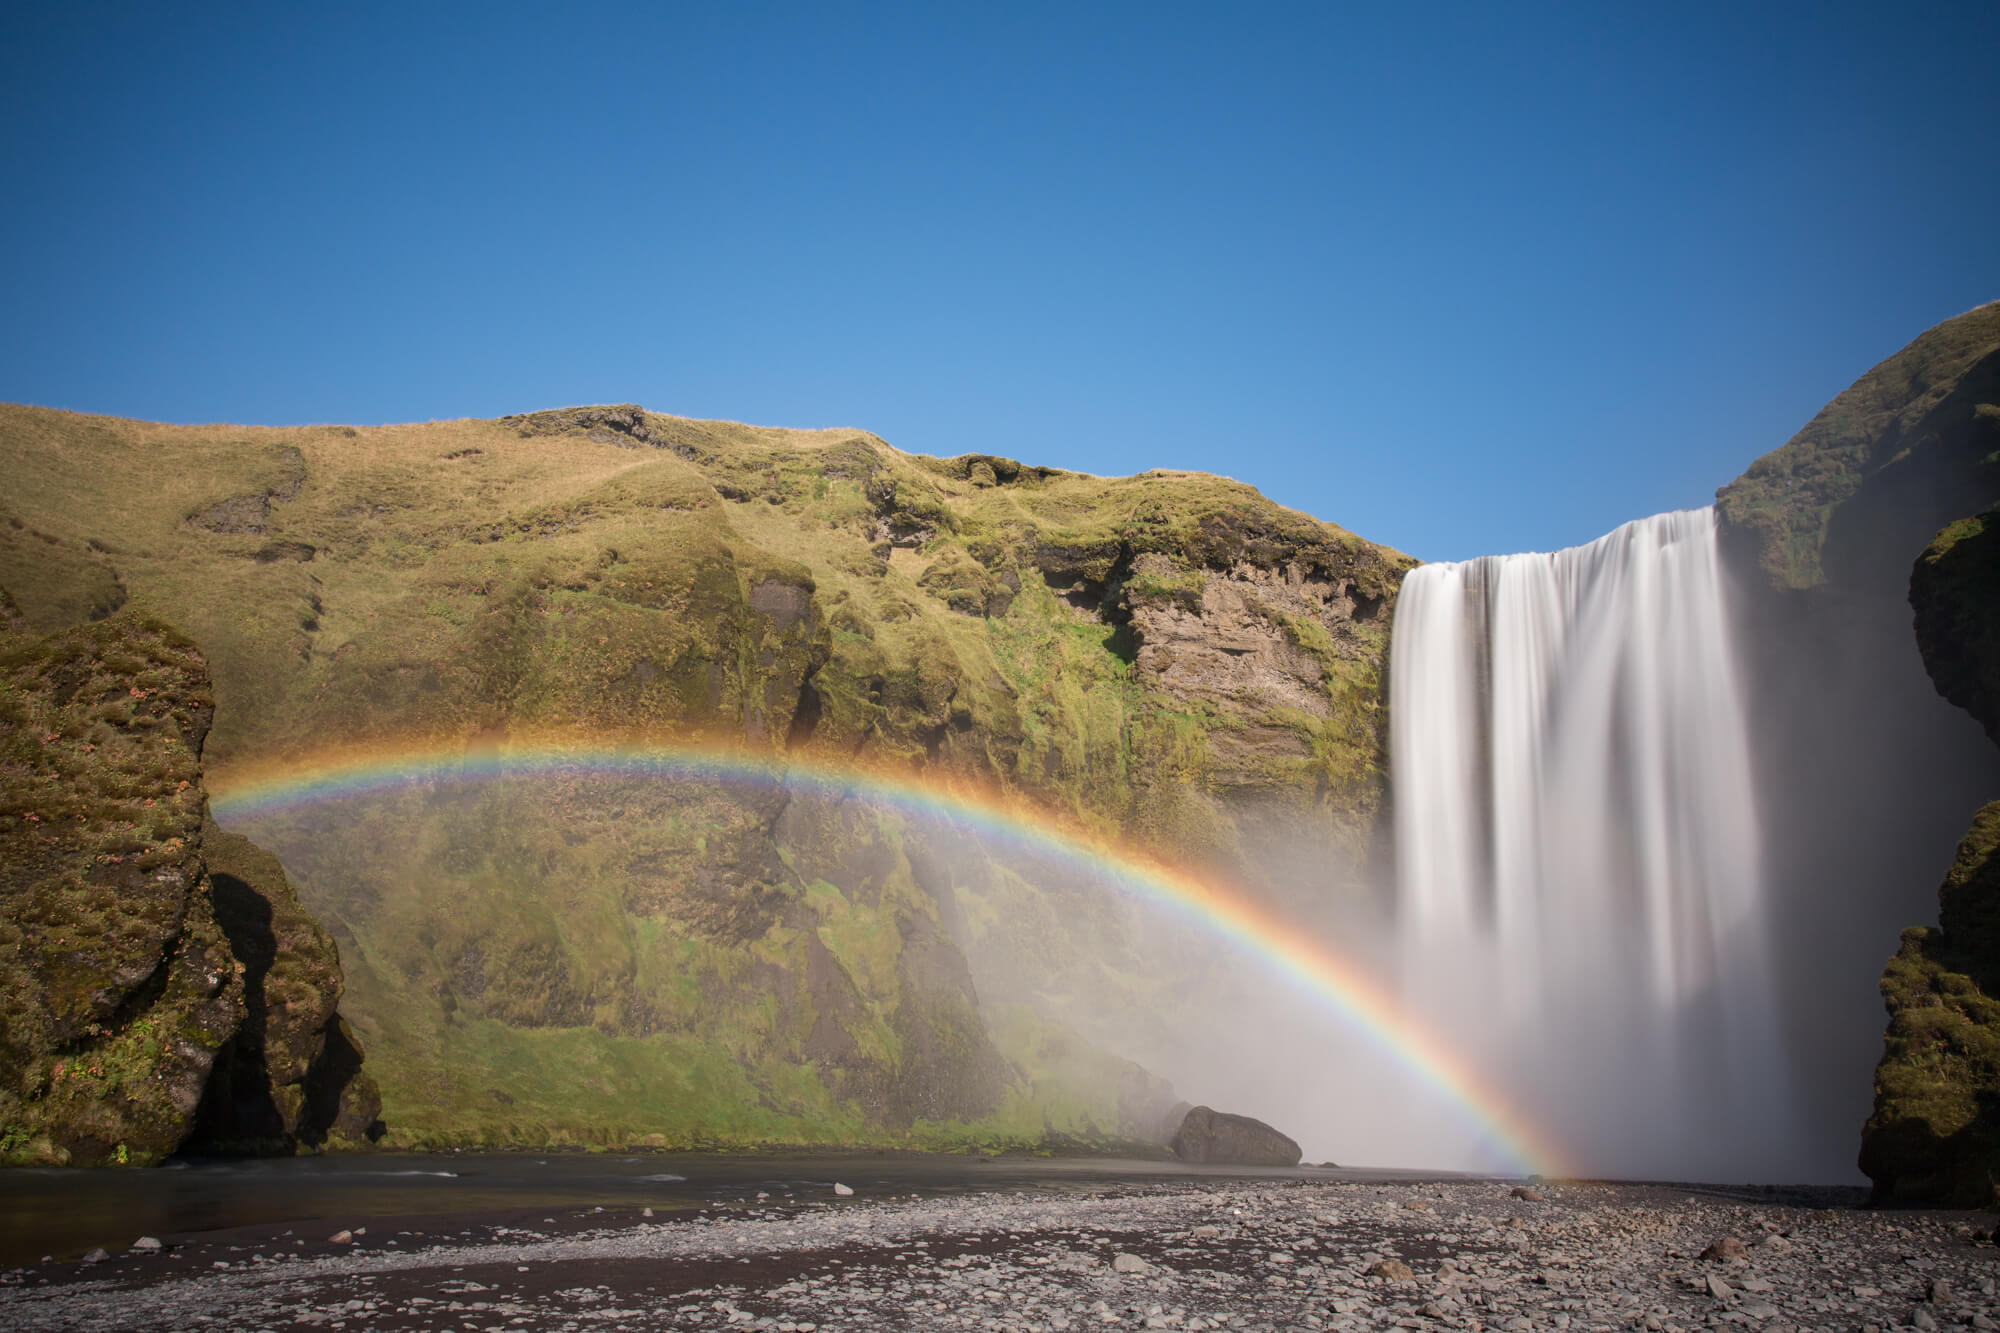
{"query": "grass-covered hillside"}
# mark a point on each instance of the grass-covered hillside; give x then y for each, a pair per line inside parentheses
(1170, 657)
(1859, 490)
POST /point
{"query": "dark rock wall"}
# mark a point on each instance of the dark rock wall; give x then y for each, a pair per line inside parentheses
(1866, 776)
(124, 992)
(1934, 1136)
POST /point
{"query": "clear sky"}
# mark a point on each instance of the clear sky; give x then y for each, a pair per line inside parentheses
(1464, 279)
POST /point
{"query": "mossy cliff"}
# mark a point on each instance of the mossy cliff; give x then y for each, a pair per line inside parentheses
(1935, 1133)
(1910, 446)
(1170, 657)
(1867, 778)
(121, 991)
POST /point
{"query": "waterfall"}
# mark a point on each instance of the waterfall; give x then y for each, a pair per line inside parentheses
(1578, 862)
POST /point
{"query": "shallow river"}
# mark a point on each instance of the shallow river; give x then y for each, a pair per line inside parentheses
(64, 1212)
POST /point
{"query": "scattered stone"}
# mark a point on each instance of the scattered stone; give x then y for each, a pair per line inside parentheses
(97, 1256)
(1526, 1194)
(1717, 1288)
(147, 1245)
(1392, 1270)
(645, 1212)
(1922, 1318)
(1130, 1263)
(341, 1238)
(844, 1191)
(1725, 1250)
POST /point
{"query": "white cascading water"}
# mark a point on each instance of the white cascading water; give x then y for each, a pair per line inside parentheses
(1578, 859)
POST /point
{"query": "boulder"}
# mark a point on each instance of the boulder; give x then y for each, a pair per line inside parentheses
(1233, 1140)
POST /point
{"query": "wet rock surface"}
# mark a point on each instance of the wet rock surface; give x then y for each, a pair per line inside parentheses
(1209, 1255)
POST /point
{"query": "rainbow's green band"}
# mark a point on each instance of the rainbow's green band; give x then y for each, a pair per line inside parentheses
(1216, 908)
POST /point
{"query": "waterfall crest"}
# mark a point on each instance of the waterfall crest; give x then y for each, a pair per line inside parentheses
(1578, 859)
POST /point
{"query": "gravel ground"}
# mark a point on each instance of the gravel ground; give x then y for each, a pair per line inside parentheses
(1192, 1255)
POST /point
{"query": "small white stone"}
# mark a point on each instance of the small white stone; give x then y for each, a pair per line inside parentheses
(844, 1191)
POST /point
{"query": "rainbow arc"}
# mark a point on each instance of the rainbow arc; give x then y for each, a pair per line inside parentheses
(1218, 909)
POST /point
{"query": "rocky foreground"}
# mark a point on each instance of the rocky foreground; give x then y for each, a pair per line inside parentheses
(1237, 1255)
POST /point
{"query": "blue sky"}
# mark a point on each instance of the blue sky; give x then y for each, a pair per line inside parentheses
(1464, 279)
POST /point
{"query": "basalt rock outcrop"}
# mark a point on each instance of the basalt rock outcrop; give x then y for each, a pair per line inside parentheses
(1222, 1139)
(121, 989)
(1169, 658)
(1934, 1137)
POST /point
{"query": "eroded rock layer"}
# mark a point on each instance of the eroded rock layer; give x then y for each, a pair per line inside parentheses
(121, 985)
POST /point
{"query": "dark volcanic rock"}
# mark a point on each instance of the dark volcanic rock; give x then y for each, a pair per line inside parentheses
(1864, 772)
(1954, 591)
(292, 1074)
(1934, 1136)
(1233, 1140)
(119, 986)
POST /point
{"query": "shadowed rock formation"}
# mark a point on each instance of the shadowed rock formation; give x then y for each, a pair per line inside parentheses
(1866, 777)
(1934, 1136)
(123, 987)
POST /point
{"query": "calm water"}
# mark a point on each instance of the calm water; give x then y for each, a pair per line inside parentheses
(64, 1212)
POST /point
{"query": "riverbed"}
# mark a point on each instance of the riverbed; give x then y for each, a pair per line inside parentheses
(1049, 1248)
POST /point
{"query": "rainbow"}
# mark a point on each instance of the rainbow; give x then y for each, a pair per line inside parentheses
(1339, 986)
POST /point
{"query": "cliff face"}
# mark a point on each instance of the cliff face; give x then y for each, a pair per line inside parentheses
(1866, 776)
(1170, 656)
(1934, 1136)
(119, 986)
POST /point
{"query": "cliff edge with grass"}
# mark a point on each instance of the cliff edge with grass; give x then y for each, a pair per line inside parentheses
(1168, 660)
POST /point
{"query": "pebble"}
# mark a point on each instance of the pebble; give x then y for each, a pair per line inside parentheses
(146, 1245)
(1726, 1249)
(844, 1191)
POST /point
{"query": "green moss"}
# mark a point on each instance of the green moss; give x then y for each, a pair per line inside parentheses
(1934, 1136)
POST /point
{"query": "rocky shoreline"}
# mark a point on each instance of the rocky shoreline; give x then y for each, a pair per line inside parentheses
(1210, 1254)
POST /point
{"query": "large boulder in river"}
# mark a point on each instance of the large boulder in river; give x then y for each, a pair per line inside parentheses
(1220, 1138)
